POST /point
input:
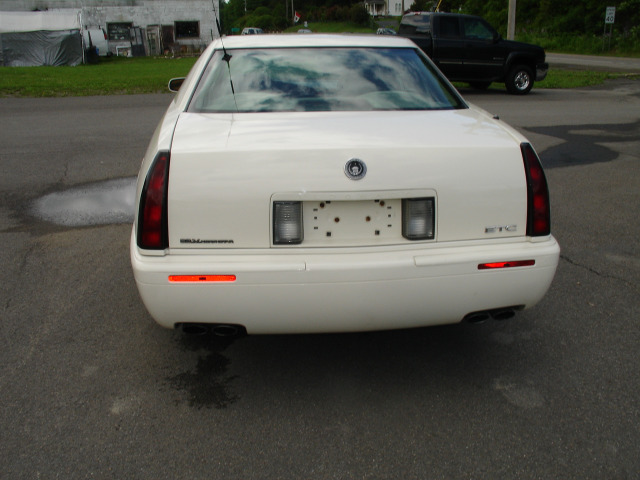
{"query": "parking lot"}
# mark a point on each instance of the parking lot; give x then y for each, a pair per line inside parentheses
(91, 387)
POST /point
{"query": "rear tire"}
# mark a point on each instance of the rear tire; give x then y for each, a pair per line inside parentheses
(519, 80)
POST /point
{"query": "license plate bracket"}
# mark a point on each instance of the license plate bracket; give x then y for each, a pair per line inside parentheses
(357, 222)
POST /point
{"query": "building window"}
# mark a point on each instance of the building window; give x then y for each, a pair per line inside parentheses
(119, 31)
(187, 29)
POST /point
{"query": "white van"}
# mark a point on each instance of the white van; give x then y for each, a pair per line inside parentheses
(96, 37)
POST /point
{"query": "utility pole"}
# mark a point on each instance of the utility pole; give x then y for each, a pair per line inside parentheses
(511, 23)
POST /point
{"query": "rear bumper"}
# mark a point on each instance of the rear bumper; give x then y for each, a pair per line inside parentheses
(351, 290)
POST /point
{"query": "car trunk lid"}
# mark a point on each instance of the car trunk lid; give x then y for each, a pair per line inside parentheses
(227, 170)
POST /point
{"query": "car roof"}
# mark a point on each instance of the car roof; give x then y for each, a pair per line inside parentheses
(313, 40)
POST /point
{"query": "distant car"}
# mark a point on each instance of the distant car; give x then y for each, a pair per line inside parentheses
(304, 30)
(251, 31)
(334, 183)
(386, 31)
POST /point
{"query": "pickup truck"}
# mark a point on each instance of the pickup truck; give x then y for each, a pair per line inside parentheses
(468, 49)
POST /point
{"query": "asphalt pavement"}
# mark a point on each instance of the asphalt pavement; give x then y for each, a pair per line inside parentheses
(91, 387)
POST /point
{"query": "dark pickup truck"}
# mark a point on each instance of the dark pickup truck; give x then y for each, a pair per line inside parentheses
(467, 49)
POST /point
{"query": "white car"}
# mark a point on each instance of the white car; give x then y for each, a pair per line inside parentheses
(251, 31)
(335, 183)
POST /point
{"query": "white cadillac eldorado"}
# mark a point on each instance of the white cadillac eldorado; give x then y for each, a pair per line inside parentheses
(335, 183)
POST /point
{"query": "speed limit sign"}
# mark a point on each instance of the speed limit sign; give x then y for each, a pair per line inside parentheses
(610, 15)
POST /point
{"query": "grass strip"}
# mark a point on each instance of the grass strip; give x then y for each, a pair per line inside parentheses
(119, 75)
(112, 76)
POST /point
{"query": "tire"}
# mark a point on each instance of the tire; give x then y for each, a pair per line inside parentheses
(480, 85)
(519, 80)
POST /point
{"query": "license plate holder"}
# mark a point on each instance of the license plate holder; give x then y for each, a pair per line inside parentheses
(353, 222)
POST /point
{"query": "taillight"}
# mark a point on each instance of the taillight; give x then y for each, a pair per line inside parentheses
(538, 209)
(152, 217)
(418, 218)
(287, 223)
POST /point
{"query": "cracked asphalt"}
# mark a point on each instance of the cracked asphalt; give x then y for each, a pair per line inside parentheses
(91, 387)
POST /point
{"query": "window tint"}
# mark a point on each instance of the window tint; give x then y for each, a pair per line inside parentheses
(322, 79)
(449, 27)
(187, 29)
(476, 29)
(415, 24)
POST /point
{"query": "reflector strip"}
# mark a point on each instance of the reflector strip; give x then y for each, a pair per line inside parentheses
(202, 278)
(516, 263)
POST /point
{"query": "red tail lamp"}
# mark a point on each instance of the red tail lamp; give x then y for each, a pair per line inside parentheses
(511, 264)
(202, 278)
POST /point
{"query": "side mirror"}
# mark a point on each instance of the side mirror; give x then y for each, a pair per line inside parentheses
(175, 84)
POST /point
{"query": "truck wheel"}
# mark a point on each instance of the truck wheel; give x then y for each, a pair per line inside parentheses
(520, 80)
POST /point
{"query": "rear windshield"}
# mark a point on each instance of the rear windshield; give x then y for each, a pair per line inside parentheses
(321, 79)
(415, 24)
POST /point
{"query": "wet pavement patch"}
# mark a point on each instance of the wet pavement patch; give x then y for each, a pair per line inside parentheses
(208, 386)
(108, 202)
(584, 144)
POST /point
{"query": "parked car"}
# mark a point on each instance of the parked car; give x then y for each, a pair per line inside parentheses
(467, 48)
(333, 183)
(251, 31)
(385, 31)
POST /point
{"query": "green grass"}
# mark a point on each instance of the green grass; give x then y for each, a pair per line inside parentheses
(119, 75)
(116, 75)
(574, 78)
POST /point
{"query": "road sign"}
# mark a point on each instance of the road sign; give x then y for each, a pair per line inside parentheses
(610, 15)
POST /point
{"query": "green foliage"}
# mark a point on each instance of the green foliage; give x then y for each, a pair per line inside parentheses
(358, 14)
(623, 44)
(423, 6)
(277, 15)
(554, 17)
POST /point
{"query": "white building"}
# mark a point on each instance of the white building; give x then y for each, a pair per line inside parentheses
(155, 25)
(392, 8)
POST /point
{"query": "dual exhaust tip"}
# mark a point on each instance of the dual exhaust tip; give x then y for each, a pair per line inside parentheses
(497, 314)
(218, 330)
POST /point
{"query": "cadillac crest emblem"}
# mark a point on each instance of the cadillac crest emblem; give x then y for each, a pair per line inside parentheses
(355, 169)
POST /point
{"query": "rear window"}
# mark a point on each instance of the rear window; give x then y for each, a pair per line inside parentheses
(321, 79)
(415, 24)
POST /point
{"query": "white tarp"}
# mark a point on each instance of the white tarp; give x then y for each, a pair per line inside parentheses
(40, 38)
(51, 20)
